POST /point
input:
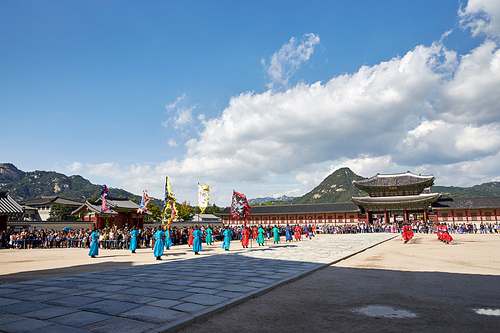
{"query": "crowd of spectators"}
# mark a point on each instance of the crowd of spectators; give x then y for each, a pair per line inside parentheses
(116, 238)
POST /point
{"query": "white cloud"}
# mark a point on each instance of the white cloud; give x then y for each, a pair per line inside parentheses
(74, 167)
(172, 143)
(482, 17)
(285, 62)
(173, 105)
(431, 111)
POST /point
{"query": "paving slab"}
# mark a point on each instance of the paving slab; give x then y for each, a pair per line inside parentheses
(167, 295)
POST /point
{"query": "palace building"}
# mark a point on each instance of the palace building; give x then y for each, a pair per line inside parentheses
(392, 198)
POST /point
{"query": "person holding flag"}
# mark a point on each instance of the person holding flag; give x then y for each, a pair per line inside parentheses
(94, 246)
(240, 207)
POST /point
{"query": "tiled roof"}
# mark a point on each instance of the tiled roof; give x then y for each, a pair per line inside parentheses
(397, 199)
(9, 205)
(467, 203)
(49, 201)
(399, 179)
(300, 209)
(94, 207)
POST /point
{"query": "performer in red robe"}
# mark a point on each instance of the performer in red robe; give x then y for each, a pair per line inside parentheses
(406, 233)
(191, 237)
(255, 232)
(446, 237)
(245, 237)
(298, 231)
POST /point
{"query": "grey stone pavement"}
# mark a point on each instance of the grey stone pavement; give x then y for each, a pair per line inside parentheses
(168, 295)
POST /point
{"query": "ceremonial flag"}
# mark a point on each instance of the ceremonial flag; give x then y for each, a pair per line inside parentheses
(169, 201)
(104, 199)
(203, 197)
(143, 207)
(239, 206)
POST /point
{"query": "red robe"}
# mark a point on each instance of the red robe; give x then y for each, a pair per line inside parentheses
(445, 235)
(255, 233)
(297, 232)
(191, 237)
(245, 237)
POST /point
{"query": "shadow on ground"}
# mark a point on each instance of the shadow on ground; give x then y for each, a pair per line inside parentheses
(41, 274)
(327, 300)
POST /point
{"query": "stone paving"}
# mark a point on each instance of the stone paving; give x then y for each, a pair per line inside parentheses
(167, 295)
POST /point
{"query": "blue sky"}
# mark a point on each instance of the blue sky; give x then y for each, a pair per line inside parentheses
(265, 97)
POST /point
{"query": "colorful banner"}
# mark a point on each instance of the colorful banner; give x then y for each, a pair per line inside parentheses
(240, 207)
(104, 199)
(143, 207)
(169, 203)
(203, 197)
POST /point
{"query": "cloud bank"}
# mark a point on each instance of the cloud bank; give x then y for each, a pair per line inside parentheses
(429, 111)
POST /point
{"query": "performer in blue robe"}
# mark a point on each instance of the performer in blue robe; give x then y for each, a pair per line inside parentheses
(288, 233)
(197, 240)
(133, 239)
(209, 236)
(227, 239)
(168, 239)
(260, 237)
(276, 235)
(158, 249)
(94, 246)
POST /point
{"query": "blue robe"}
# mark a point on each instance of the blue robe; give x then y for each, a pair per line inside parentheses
(168, 240)
(227, 239)
(260, 237)
(94, 246)
(209, 236)
(288, 233)
(158, 249)
(197, 241)
(133, 240)
(276, 232)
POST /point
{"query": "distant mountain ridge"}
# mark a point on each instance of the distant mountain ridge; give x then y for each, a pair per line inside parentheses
(338, 187)
(36, 184)
(265, 200)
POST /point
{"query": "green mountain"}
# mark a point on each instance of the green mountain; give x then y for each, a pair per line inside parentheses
(31, 185)
(337, 187)
(491, 189)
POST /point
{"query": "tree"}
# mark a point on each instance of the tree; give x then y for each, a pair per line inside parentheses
(60, 212)
(212, 209)
(156, 211)
(184, 212)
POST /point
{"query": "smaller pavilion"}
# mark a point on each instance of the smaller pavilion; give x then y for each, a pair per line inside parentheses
(397, 194)
(123, 213)
(8, 207)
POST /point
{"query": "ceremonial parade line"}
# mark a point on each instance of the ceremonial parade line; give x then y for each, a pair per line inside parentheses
(167, 295)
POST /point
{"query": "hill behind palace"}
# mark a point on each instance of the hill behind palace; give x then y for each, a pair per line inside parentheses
(337, 187)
